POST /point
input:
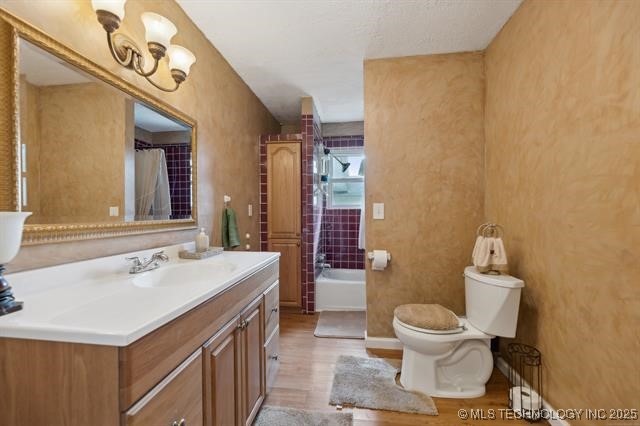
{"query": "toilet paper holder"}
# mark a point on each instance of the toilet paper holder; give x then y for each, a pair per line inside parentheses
(370, 256)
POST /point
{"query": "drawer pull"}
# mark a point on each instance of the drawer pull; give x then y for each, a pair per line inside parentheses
(274, 357)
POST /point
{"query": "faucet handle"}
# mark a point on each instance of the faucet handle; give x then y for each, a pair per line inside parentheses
(135, 260)
(160, 256)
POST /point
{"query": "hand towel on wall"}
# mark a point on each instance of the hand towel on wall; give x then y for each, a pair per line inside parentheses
(230, 234)
(489, 255)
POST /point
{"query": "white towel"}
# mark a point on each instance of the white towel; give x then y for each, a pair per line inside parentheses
(489, 255)
(476, 248)
(499, 257)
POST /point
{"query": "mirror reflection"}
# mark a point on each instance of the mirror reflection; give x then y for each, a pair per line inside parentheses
(93, 154)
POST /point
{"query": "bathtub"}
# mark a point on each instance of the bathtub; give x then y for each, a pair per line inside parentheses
(341, 290)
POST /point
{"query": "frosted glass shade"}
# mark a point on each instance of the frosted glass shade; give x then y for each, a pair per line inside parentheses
(11, 224)
(112, 6)
(158, 29)
(180, 58)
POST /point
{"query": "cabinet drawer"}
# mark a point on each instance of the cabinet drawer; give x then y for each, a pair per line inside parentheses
(271, 309)
(176, 400)
(272, 357)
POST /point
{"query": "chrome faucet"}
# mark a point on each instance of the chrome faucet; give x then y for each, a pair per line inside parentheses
(138, 266)
(321, 262)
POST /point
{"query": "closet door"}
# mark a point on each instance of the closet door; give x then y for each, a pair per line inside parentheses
(284, 202)
(290, 271)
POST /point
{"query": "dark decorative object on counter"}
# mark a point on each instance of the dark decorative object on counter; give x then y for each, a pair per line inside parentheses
(11, 225)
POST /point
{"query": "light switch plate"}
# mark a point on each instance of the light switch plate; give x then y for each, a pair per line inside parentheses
(250, 210)
(378, 211)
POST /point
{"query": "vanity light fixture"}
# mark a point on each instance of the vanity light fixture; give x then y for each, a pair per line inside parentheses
(158, 33)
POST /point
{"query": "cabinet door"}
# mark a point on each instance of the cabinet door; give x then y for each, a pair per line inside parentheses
(176, 400)
(253, 380)
(222, 377)
(283, 190)
(290, 271)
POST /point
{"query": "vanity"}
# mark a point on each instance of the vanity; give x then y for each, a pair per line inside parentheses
(189, 343)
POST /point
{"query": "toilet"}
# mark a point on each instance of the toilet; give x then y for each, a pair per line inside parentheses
(458, 363)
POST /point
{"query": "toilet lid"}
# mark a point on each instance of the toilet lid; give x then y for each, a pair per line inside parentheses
(427, 316)
(457, 330)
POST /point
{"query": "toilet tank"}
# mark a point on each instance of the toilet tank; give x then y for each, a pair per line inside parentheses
(492, 302)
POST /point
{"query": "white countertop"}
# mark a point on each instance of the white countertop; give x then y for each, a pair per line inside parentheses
(99, 302)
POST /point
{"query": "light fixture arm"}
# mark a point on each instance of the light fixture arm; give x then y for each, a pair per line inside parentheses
(127, 53)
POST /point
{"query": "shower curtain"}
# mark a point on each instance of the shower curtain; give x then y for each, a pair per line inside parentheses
(153, 199)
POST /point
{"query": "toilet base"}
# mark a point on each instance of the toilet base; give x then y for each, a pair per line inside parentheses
(460, 373)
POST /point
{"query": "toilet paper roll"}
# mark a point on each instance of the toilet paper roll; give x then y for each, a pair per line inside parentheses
(380, 260)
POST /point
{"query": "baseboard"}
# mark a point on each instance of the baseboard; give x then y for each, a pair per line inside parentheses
(341, 309)
(554, 419)
(382, 342)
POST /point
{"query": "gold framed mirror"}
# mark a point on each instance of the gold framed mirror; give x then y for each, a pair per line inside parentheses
(88, 153)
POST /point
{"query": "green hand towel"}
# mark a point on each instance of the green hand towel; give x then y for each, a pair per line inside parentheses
(230, 236)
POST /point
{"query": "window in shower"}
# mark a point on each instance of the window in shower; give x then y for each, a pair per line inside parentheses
(346, 178)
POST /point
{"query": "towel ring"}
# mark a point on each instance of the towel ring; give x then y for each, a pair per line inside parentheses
(480, 229)
(493, 228)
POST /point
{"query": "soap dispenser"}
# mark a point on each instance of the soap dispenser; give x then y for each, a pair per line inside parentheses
(202, 241)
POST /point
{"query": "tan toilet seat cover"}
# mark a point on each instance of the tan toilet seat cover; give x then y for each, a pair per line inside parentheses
(430, 316)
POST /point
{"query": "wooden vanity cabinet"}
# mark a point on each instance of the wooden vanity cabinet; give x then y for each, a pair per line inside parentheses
(222, 377)
(205, 367)
(176, 401)
(234, 369)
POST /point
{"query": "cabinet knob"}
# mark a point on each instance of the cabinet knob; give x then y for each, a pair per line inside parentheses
(242, 324)
(298, 243)
(274, 357)
(183, 422)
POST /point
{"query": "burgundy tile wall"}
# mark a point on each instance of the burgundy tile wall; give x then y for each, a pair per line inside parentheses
(311, 135)
(340, 227)
(340, 238)
(178, 158)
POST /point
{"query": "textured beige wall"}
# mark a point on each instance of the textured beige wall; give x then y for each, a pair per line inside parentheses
(424, 147)
(83, 130)
(230, 119)
(563, 178)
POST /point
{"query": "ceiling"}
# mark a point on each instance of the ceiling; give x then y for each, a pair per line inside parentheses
(43, 69)
(285, 49)
(152, 121)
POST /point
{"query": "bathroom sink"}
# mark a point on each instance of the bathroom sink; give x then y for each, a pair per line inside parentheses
(181, 275)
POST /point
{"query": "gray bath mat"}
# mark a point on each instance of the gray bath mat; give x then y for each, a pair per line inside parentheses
(341, 324)
(371, 383)
(281, 416)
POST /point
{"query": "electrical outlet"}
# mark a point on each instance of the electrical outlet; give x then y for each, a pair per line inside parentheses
(114, 211)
